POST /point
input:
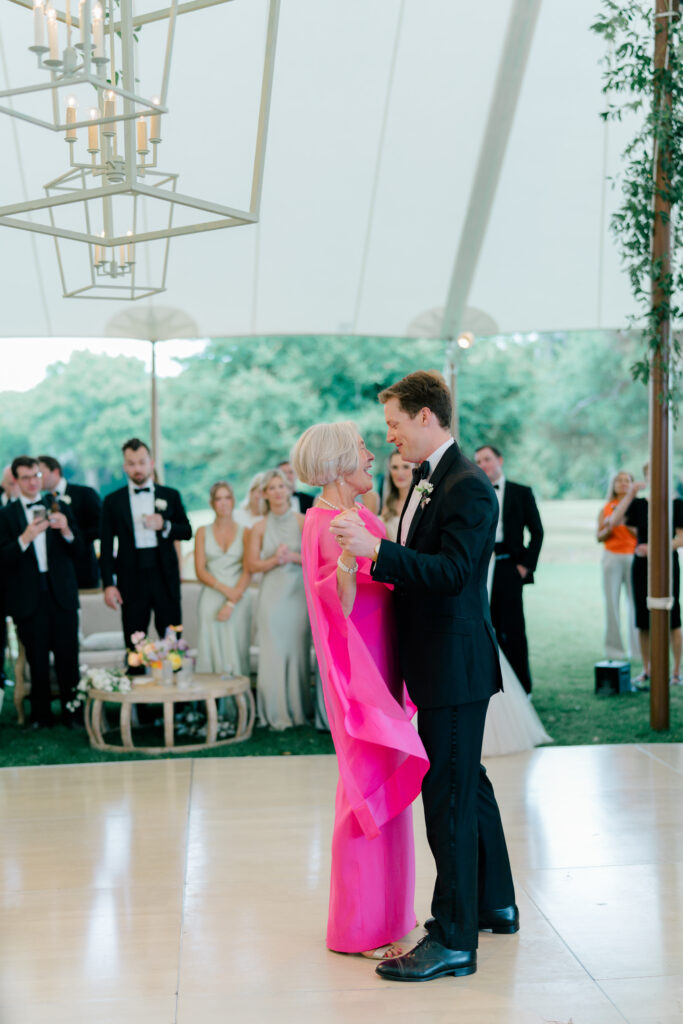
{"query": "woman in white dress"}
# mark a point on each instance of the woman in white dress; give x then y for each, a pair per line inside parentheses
(512, 724)
(398, 476)
(284, 694)
(224, 616)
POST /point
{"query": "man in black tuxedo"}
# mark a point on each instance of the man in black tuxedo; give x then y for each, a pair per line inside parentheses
(301, 502)
(515, 560)
(146, 518)
(449, 661)
(38, 548)
(8, 492)
(86, 508)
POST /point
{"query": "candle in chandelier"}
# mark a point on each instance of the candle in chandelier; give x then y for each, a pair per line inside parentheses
(98, 31)
(131, 249)
(110, 104)
(142, 136)
(38, 24)
(71, 119)
(93, 140)
(99, 253)
(52, 38)
(68, 22)
(82, 22)
(155, 124)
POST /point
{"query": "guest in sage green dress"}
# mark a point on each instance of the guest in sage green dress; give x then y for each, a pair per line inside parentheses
(224, 618)
(284, 693)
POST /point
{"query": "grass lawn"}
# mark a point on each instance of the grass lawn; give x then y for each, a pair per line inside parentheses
(565, 621)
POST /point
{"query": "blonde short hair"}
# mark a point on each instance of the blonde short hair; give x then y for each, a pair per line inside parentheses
(326, 452)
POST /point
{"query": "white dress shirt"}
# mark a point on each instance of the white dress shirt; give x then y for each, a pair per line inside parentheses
(499, 488)
(142, 505)
(415, 498)
(40, 542)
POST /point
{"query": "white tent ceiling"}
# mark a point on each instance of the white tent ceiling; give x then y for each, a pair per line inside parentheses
(378, 115)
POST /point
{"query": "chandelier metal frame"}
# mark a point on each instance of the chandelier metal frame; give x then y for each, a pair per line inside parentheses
(130, 182)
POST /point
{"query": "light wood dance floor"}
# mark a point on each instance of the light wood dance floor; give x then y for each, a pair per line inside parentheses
(196, 892)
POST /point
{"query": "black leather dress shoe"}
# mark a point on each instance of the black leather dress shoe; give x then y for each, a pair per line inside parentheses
(428, 960)
(504, 921)
(501, 922)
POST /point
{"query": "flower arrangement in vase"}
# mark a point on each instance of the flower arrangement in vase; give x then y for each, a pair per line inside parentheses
(153, 653)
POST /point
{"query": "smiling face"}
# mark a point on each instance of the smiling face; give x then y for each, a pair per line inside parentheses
(411, 435)
(361, 479)
(491, 463)
(400, 472)
(138, 465)
(277, 494)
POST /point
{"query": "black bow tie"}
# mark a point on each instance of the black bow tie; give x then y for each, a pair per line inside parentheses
(496, 487)
(142, 490)
(30, 504)
(421, 471)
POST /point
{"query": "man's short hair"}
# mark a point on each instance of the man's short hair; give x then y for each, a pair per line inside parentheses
(424, 389)
(23, 461)
(135, 444)
(496, 451)
(51, 463)
(285, 462)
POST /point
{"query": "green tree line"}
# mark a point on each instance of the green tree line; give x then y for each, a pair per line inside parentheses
(562, 407)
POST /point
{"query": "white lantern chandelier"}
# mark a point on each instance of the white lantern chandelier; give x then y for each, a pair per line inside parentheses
(113, 196)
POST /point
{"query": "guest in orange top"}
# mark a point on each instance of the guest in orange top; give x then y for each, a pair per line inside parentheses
(620, 543)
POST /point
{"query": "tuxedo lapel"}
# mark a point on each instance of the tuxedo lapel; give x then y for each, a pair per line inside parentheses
(403, 512)
(22, 522)
(126, 509)
(445, 463)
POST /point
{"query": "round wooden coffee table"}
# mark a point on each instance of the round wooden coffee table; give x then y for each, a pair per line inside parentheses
(207, 688)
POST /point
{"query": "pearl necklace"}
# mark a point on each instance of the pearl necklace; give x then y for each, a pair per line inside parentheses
(330, 505)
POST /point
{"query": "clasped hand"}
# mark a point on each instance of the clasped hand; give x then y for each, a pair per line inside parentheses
(352, 535)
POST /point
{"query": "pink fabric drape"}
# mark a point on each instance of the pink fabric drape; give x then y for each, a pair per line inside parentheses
(381, 758)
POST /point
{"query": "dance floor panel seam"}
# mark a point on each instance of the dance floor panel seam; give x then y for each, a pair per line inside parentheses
(200, 894)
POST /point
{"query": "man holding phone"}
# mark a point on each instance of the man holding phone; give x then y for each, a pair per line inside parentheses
(38, 549)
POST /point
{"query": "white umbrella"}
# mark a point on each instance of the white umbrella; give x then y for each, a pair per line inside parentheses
(153, 324)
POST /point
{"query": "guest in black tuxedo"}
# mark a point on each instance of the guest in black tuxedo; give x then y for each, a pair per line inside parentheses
(450, 664)
(38, 549)
(515, 561)
(9, 489)
(146, 518)
(300, 502)
(86, 508)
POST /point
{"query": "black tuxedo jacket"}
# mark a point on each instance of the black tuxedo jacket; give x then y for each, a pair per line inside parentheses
(447, 646)
(86, 507)
(20, 568)
(305, 500)
(117, 521)
(520, 511)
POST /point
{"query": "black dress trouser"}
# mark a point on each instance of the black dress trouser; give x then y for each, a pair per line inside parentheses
(149, 593)
(507, 616)
(50, 628)
(464, 829)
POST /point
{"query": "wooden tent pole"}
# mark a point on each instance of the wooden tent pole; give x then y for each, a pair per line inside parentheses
(659, 539)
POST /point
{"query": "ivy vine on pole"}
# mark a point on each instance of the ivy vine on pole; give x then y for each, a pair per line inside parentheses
(654, 98)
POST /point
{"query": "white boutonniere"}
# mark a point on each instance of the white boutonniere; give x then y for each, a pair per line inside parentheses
(65, 499)
(424, 489)
(161, 503)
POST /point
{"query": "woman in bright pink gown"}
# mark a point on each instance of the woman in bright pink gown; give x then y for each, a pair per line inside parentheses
(380, 755)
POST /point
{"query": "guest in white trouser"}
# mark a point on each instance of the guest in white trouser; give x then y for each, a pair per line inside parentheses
(620, 543)
(616, 573)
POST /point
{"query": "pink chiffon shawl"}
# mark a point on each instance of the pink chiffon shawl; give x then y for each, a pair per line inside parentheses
(381, 757)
